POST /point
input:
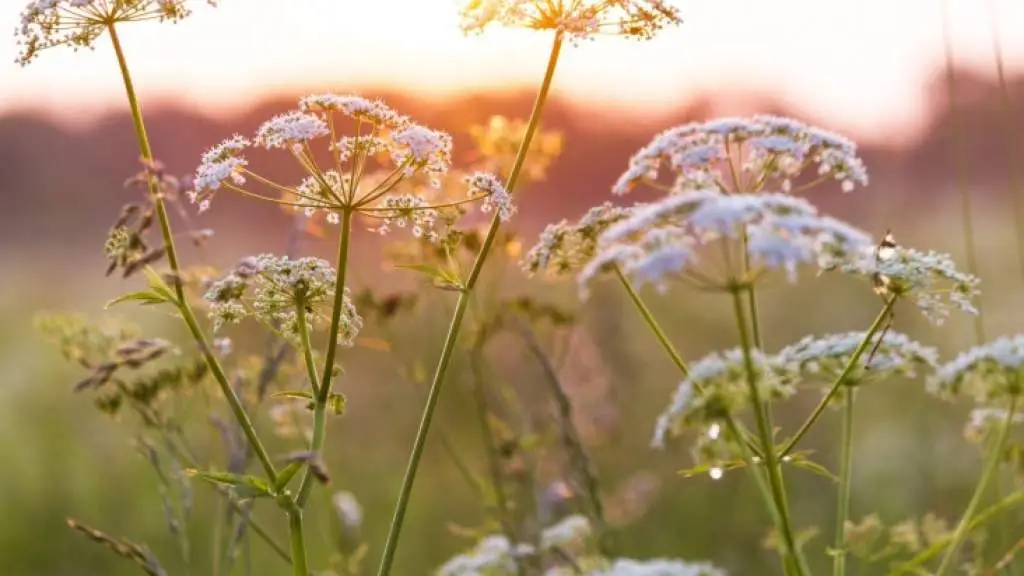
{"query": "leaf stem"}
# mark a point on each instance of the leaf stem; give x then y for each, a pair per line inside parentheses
(771, 462)
(324, 391)
(298, 539)
(843, 377)
(456, 324)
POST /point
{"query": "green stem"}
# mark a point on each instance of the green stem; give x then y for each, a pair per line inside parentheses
(991, 468)
(229, 393)
(960, 160)
(764, 432)
(307, 348)
(299, 564)
(320, 407)
(147, 154)
(460, 311)
(666, 344)
(843, 377)
(845, 485)
(1010, 502)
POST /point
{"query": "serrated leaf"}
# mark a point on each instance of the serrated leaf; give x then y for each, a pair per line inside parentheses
(247, 486)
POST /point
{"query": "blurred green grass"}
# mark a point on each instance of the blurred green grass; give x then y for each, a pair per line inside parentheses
(63, 459)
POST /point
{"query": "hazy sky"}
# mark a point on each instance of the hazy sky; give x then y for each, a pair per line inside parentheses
(860, 63)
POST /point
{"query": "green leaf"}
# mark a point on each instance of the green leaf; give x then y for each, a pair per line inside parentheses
(443, 279)
(158, 286)
(814, 467)
(247, 486)
(146, 297)
(293, 394)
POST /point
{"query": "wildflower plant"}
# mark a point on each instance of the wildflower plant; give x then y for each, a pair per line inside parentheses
(728, 215)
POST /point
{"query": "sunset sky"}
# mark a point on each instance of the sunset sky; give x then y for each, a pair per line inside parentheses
(862, 64)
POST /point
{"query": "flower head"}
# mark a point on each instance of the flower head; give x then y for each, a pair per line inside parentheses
(990, 374)
(744, 155)
(577, 19)
(272, 289)
(717, 386)
(659, 241)
(826, 357)
(928, 279)
(79, 23)
(385, 169)
(565, 248)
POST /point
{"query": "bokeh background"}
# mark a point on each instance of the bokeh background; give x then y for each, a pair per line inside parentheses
(872, 69)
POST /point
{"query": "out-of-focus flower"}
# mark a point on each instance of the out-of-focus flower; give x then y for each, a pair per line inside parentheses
(79, 23)
(826, 357)
(991, 374)
(717, 386)
(577, 19)
(744, 155)
(498, 141)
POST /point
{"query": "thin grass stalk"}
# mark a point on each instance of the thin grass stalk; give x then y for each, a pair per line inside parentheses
(483, 412)
(990, 470)
(456, 324)
(960, 161)
(581, 461)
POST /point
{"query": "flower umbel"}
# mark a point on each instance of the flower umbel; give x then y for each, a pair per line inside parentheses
(825, 357)
(659, 241)
(565, 248)
(990, 374)
(392, 193)
(577, 19)
(78, 23)
(744, 155)
(271, 289)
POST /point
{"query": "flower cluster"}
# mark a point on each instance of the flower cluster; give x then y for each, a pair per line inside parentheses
(566, 543)
(576, 19)
(744, 155)
(826, 357)
(272, 289)
(928, 279)
(659, 241)
(991, 374)
(565, 248)
(412, 158)
(716, 387)
(78, 23)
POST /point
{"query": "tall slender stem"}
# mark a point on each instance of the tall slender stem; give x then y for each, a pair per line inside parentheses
(845, 485)
(771, 462)
(460, 311)
(324, 392)
(147, 154)
(666, 344)
(172, 259)
(843, 376)
(298, 539)
(991, 468)
(960, 160)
